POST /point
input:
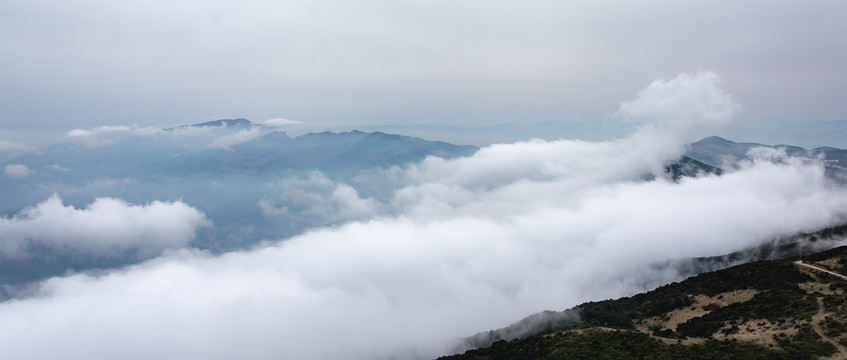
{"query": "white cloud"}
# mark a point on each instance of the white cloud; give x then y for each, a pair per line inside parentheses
(106, 228)
(57, 167)
(107, 135)
(228, 141)
(204, 137)
(17, 170)
(279, 122)
(680, 101)
(319, 201)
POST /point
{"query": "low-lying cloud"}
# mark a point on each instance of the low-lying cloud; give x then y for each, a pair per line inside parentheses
(318, 201)
(108, 135)
(57, 167)
(193, 136)
(279, 122)
(407, 286)
(681, 102)
(17, 171)
(106, 228)
(228, 141)
(461, 246)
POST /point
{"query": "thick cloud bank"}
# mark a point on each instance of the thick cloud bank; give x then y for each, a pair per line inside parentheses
(106, 228)
(471, 244)
(406, 286)
(682, 101)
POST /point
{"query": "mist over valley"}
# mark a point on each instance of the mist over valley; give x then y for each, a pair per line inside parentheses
(233, 239)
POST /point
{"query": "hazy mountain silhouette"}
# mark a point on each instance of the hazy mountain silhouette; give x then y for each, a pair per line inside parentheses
(722, 153)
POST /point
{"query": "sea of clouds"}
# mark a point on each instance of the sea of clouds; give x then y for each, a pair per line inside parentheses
(459, 246)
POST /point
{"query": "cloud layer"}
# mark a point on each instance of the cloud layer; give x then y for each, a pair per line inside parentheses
(680, 101)
(408, 285)
(106, 228)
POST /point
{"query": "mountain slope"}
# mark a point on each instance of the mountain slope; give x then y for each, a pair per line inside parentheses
(773, 309)
(688, 167)
(725, 154)
(253, 183)
(719, 152)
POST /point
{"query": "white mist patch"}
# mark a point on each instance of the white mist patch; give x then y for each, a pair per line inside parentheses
(280, 122)
(17, 170)
(681, 102)
(519, 177)
(57, 167)
(228, 141)
(107, 135)
(318, 200)
(106, 228)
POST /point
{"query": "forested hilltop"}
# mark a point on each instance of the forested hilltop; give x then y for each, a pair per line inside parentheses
(775, 309)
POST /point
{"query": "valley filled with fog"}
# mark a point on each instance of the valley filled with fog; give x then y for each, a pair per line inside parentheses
(233, 239)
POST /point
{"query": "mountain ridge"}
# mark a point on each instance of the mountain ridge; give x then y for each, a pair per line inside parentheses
(726, 154)
(700, 317)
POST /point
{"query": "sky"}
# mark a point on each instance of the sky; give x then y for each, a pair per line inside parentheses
(477, 72)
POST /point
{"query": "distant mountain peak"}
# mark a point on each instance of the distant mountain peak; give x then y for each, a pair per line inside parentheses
(276, 136)
(714, 139)
(225, 123)
(722, 153)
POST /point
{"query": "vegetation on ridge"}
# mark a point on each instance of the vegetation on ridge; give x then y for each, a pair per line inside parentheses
(761, 310)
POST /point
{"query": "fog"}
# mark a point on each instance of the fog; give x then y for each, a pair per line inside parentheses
(447, 248)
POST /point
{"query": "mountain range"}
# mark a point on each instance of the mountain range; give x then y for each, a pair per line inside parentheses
(235, 145)
(230, 158)
(725, 154)
(254, 183)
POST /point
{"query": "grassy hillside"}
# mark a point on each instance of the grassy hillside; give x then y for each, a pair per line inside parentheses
(763, 310)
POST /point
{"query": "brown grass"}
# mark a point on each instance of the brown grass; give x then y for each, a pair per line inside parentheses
(698, 308)
(812, 287)
(759, 331)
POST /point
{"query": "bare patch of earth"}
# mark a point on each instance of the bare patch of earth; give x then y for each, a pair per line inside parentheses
(758, 331)
(829, 263)
(700, 307)
(812, 287)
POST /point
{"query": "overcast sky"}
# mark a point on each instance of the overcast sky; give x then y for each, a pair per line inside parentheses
(414, 65)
